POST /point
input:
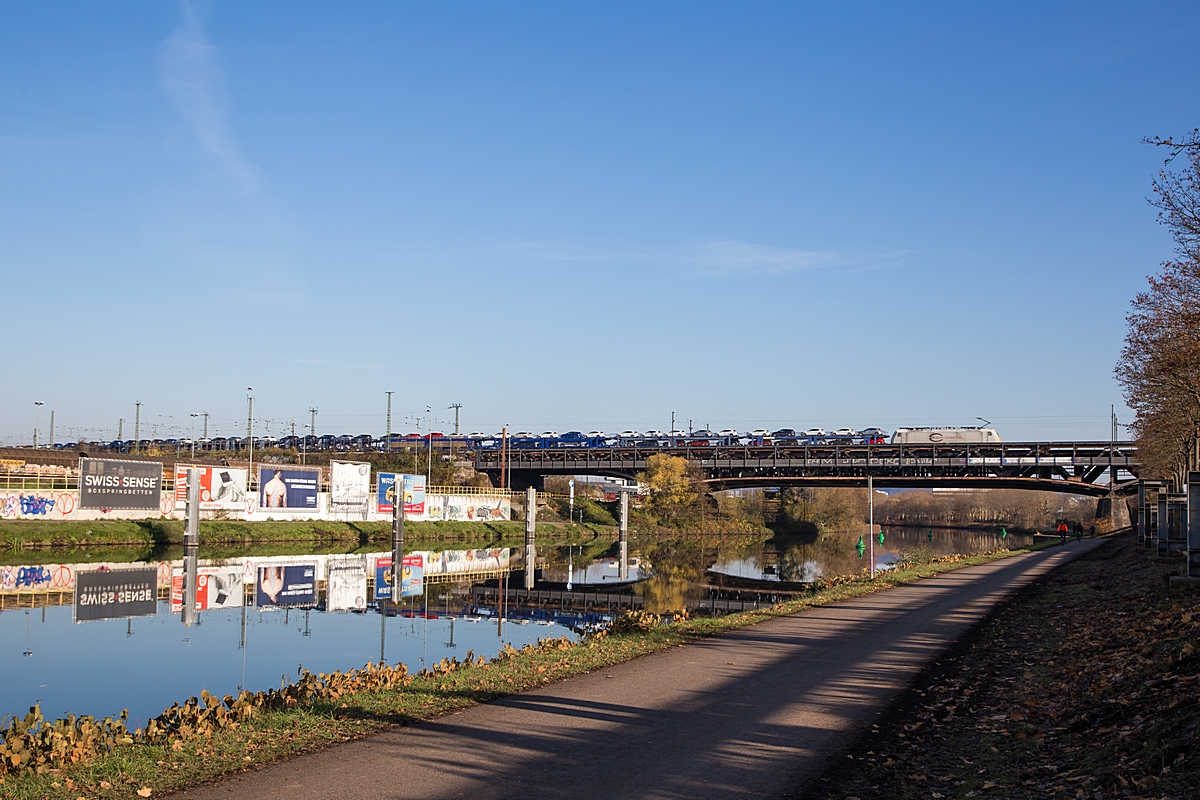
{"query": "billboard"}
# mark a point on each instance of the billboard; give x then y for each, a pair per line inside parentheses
(346, 584)
(216, 587)
(115, 594)
(288, 488)
(414, 493)
(349, 485)
(286, 585)
(412, 580)
(116, 483)
(221, 488)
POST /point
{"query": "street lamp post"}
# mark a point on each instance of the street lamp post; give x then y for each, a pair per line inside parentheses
(250, 435)
(194, 434)
(38, 424)
(429, 449)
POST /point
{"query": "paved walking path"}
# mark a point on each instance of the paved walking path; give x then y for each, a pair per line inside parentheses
(751, 713)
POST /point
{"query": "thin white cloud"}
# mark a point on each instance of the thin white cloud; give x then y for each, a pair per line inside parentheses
(715, 258)
(321, 362)
(190, 75)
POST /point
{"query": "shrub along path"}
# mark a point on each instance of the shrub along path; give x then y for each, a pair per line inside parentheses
(749, 713)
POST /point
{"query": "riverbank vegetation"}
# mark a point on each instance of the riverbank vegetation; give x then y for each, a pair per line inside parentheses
(194, 743)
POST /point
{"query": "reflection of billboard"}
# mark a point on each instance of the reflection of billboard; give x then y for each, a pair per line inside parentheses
(288, 488)
(492, 559)
(116, 483)
(412, 580)
(216, 587)
(221, 488)
(346, 584)
(116, 594)
(286, 585)
(349, 484)
(414, 493)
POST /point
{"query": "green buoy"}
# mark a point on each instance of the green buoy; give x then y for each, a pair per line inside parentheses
(860, 547)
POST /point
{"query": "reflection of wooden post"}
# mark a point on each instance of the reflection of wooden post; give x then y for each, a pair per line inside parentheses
(191, 545)
(530, 524)
(624, 539)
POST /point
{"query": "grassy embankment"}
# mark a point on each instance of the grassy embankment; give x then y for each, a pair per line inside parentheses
(67, 534)
(156, 768)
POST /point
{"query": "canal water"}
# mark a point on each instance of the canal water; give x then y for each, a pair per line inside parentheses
(147, 663)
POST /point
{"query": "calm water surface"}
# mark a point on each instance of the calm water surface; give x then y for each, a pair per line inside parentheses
(148, 663)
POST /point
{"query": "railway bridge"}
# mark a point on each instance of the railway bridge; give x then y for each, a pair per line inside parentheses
(1087, 468)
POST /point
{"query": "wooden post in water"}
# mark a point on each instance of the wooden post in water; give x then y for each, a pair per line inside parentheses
(191, 546)
(397, 539)
(530, 525)
(624, 565)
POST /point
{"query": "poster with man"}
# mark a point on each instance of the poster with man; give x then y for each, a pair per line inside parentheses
(281, 488)
(414, 494)
(221, 488)
(286, 585)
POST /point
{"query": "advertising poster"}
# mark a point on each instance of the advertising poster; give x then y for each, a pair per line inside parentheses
(349, 483)
(115, 594)
(476, 508)
(216, 587)
(116, 483)
(412, 579)
(221, 488)
(288, 488)
(414, 494)
(286, 585)
(346, 584)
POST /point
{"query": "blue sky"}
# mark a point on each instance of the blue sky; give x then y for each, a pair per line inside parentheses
(568, 216)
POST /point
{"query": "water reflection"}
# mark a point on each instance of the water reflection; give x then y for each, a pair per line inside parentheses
(148, 663)
(786, 560)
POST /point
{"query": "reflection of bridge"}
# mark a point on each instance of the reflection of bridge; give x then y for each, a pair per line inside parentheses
(1072, 467)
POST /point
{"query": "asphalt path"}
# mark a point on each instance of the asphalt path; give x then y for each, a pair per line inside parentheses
(756, 712)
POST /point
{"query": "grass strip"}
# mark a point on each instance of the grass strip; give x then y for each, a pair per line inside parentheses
(143, 769)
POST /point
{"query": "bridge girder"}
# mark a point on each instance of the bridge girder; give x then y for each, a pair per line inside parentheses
(1068, 467)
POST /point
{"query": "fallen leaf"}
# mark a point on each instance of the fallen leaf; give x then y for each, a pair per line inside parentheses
(144, 791)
